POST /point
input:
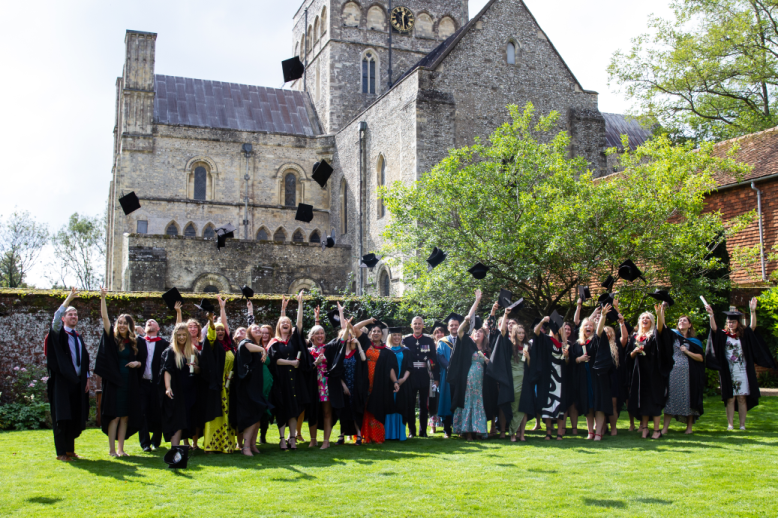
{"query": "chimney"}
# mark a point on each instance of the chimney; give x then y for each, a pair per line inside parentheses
(138, 90)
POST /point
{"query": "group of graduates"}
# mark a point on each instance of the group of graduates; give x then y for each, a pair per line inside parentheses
(226, 386)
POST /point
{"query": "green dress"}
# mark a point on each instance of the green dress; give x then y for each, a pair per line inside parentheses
(517, 369)
(219, 435)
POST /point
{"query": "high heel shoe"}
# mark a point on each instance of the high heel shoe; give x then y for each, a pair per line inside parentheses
(293, 447)
(282, 444)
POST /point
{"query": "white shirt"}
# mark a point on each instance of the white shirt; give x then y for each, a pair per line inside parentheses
(150, 346)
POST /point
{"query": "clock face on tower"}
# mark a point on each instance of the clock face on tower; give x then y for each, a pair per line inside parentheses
(402, 19)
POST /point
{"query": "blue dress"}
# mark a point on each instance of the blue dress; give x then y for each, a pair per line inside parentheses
(444, 399)
(394, 428)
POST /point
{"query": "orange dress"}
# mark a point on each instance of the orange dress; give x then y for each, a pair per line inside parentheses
(372, 429)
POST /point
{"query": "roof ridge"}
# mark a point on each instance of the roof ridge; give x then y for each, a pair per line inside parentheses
(743, 137)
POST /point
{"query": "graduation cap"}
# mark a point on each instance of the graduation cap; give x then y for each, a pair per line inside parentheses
(369, 261)
(205, 305)
(328, 241)
(629, 271)
(304, 213)
(453, 316)
(734, 315)
(380, 325)
(395, 330)
(171, 297)
(556, 322)
(516, 305)
(662, 296)
(608, 283)
(334, 318)
(612, 315)
(177, 457)
(247, 292)
(440, 324)
(293, 69)
(322, 172)
(222, 233)
(584, 293)
(436, 257)
(504, 300)
(129, 202)
(478, 324)
(478, 271)
(537, 321)
(606, 298)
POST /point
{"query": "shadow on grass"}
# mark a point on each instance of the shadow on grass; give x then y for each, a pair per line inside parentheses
(604, 503)
(45, 500)
(538, 470)
(649, 500)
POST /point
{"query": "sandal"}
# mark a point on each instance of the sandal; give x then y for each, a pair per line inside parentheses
(341, 441)
(548, 436)
(359, 441)
(282, 444)
(559, 437)
(598, 435)
(293, 448)
(513, 438)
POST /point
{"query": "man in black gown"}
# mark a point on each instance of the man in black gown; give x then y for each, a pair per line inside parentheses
(67, 361)
(423, 352)
(150, 349)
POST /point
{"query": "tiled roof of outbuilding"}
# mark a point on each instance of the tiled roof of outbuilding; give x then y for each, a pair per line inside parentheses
(617, 125)
(759, 150)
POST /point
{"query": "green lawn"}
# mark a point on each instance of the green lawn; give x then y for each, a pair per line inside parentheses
(712, 473)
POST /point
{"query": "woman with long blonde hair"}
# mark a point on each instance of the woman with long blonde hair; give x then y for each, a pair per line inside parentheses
(178, 383)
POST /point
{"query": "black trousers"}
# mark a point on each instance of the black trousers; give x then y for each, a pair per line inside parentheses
(66, 431)
(424, 394)
(150, 415)
(448, 422)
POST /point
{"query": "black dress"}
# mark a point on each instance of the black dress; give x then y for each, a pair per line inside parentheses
(650, 373)
(289, 395)
(177, 413)
(121, 385)
(580, 391)
(212, 360)
(382, 401)
(601, 365)
(353, 371)
(251, 403)
(528, 404)
(499, 369)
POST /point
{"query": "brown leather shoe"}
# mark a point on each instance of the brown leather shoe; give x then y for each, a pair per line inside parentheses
(73, 455)
(64, 458)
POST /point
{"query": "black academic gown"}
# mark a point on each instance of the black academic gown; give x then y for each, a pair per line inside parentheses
(458, 368)
(382, 401)
(251, 403)
(500, 371)
(602, 366)
(529, 403)
(107, 367)
(333, 354)
(212, 360)
(650, 374)
(289, 395)
(578, 387)
(755, 352)
(697, 378)
(178, 412)
(68, 399)
(353, 409)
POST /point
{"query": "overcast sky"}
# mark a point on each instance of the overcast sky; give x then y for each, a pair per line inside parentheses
(60, 60)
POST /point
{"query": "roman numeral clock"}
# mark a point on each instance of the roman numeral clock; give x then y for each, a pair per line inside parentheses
(402, 19)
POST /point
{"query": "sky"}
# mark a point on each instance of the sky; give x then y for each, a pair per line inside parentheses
(60, 61)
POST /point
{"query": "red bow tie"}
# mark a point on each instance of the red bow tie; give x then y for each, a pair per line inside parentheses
(153, 339)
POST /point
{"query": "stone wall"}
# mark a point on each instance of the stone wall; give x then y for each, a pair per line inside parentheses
(153, 262)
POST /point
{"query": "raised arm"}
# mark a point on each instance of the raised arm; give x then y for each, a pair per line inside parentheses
(623, 329)
(474, 308)
(284, 302)
(360, 325)
(210, 332)
(223, 313)
(577, 316)
(504, 323)
(539, 328)
(601, 322)
(179, 318)
(752, 305)
(104, 310)
(713, 326)
(250, 311)
(300, 312)
(56, 323)
(660, 317)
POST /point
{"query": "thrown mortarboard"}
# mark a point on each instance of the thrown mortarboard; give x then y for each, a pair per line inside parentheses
(177, 457)
(516, 306)
(322, 172)
(662, 296)
(205, 305)
(734, 315)
(436, 257)
(247, 292)
(222, 233)
(584, 293)
(628, 271)
(293, 69)
(129, 202)
(504, 299)
(612, 315)
(608, 283)
(334, 317)
(478, 271)
(171, 297)
(454, 316)
(556, 322)
(328, 241)
(395, 330)
(304, 213)
(606, 298)
(369, 261)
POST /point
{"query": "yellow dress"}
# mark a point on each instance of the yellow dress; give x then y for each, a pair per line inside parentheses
(219, 435)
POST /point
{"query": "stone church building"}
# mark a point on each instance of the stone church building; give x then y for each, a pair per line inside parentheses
(385, 95)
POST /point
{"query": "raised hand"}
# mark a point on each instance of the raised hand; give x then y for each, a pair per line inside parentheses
(178, 305)
(495, 306)
(316, 312)
(221, 301)
(73, 294)
(103, 292)
(621, 319)
(752, 304)
(578, 302)
(250, 307)
(607, 308)
(709, 309)
(300, 297)
(478, 295)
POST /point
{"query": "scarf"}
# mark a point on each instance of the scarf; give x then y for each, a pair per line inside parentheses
(731, 335)
(556, 342)
(226, 344)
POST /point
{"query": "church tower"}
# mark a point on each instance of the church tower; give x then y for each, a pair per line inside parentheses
(346, 46)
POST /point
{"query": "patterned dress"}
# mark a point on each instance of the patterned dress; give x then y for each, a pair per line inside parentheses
(737, 367)
(219, 435)
(321, 371)
(553, 407)
(472, 417)
(372, 429)
(679, 397)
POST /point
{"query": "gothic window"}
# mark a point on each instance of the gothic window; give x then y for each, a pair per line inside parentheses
(210, 289)
(511, 53)
(324, 21)
(309, 40)
(200, 182)
(424, 26)
(376, 19)
(209, 232)
(383, 284)
(351, 15)
(298, 237)
(280, 235)
(381, 181)
(446, 27)
(368, 73)
(343, 207)
(318, 80)
(189, 231)
(290, 190)
(262, 235)
(172, 230)
(315, 237)
(316, 30)
(143, 226)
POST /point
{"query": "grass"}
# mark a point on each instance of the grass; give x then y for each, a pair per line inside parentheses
(711, 473)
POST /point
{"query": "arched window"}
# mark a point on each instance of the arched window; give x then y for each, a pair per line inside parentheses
(310, 39)
(424, 26)
(316, 30)
(262, 234)
(380, 181)
(318, 80)
(343, 207)
(209, 232)
(351, 15)
(368, 73)
(298, 237)
(315, 237)
(189, 231)
(290, 190)
(324, 23)
(210, 289)
(280, 235)
(376, 19)
(171, 230)
(200, 183)
(510, 51)
(446, 27)
(383, 284)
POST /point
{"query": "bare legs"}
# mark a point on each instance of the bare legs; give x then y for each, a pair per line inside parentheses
(560, 423)
(742, 411)
(537, 423)
(573, 413)
(250, 440)
(176, 439)
(599, 423)
(299, 428)
(117, 427)
(614, 417)
(644, 426)
(631, 422)
(590, 424)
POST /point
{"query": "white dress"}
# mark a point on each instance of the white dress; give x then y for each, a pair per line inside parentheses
(737, 367)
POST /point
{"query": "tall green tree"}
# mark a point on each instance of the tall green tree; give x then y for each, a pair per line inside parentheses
(79, 248)
(22, 240)
(708, 74)
(521, 206)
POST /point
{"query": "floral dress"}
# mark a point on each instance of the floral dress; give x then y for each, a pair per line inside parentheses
(472, 417)
(737, 367)
(321, 371)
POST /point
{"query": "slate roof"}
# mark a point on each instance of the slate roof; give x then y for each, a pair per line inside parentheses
(617, 125)
(759, 150)
(214, 104)
(434, 54)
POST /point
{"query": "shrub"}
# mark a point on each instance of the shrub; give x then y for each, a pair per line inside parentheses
(768, 380)
(27, 407)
